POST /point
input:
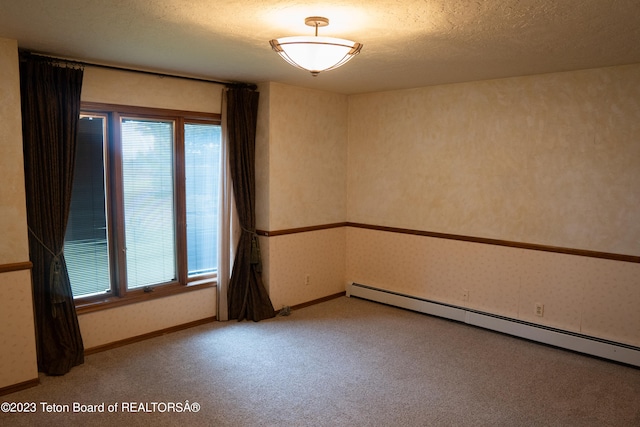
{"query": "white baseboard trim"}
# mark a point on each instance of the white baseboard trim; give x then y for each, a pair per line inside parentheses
(556, 337)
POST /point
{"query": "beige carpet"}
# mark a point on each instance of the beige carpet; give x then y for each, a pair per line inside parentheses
(345, 362)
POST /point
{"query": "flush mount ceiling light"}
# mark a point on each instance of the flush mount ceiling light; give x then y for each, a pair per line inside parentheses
(313, 53)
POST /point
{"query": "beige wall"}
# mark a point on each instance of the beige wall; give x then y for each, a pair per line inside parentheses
(595, 297)
(301, 162)
(129, 88)
(146, 90)
(116, 324)
(304, 145)
(289, 259)
(17, 337)
(14, 244)
(18, 358)
(551, 159)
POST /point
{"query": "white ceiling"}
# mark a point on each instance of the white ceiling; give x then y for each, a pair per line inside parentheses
(407, 43)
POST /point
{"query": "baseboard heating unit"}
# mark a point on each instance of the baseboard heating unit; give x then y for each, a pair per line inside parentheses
(556, 337)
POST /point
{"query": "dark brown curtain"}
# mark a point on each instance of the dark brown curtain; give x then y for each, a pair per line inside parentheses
(50, 95)
(247, 296)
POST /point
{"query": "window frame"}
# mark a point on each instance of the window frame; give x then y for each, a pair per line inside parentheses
(119, 294)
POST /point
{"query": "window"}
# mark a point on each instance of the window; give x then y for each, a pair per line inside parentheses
(144, 206)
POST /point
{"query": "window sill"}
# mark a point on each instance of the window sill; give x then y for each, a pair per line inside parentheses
(89, 306)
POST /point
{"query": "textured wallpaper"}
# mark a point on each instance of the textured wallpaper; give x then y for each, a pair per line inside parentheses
(107, 326)
(289, 259)
(14, 245)
(551, 159)
(262, 157)
(301, 148)
(305, 153)
(131, 88)
(17, 337)
(595, 297)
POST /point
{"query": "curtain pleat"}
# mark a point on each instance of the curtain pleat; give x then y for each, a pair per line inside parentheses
(50, 96)
(247, 296)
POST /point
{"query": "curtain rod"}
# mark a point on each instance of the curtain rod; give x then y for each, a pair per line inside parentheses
(45, 57)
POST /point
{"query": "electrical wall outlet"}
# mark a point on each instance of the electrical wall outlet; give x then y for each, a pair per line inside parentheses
(307, 280)
(539, 310)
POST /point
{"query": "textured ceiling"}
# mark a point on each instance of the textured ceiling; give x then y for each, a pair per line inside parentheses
(406, 43)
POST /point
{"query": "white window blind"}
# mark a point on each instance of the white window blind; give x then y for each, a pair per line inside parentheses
(202, 175)
(86, 247)
(148, 192)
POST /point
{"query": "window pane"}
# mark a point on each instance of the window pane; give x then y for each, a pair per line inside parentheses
(85, 248)
(202, 174)
(147, 175)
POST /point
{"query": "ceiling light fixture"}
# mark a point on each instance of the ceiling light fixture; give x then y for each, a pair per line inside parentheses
(313, 53)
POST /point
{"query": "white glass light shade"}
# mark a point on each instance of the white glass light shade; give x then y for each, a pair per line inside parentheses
(315, 54)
